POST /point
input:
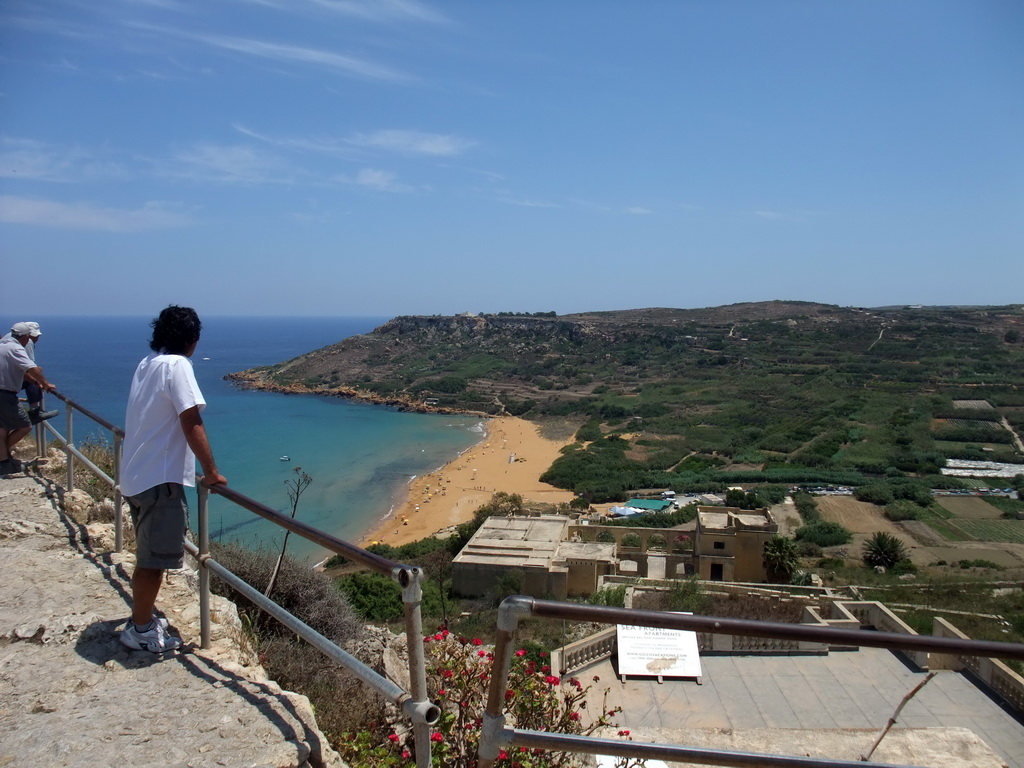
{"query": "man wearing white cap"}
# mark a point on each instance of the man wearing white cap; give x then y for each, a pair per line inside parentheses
(33, 393)
(16, 367)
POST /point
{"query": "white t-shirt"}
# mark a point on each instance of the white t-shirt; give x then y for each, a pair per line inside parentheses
(155, 450)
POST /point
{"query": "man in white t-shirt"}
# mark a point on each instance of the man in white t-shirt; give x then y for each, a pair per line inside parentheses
(164, 436)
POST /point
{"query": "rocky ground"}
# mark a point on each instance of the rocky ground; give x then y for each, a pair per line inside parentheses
(72, 695)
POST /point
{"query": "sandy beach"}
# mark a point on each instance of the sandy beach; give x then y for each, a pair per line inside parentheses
(510, 458)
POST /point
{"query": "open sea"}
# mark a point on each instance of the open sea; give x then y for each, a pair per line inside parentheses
(361, 457)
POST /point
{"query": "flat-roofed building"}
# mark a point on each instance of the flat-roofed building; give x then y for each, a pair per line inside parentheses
(729, 543)
(539, 550)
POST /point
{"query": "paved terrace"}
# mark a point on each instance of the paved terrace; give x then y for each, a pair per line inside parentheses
(72, 695)
(822, 706)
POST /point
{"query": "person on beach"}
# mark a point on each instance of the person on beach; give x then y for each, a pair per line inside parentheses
(16, 367)
(164, 436)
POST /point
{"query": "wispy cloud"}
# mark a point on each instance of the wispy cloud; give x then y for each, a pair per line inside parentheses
(232, 164)
(794, 215)
(638, 211)
(29, 159)
(369, 10)
(56, 215)
(394, 141)
(525, 202)
(372, 178)
(414, 142)
(349, 65)
(315, 144)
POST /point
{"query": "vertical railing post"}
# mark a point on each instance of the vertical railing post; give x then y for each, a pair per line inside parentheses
(204, 571)
(69, 442)
(40, 431)
(118, 499)
(410, 579)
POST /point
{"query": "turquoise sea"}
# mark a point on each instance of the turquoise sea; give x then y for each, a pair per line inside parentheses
(361, 456)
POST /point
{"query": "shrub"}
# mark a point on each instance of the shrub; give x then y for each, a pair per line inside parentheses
(901, 510)
(824, 534)
(458, 677)
(614, 596)
(306, 593)
(686, 595)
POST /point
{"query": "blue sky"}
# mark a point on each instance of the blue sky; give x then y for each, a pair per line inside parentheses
(358, 157)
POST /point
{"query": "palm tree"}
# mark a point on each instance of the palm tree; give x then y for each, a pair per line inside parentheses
(780, 559)
(883, 549)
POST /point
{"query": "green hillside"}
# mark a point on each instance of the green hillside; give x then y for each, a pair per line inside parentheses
(772, 392)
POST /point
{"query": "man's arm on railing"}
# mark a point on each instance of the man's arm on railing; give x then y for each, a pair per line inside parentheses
(35, 375)
(195, 436)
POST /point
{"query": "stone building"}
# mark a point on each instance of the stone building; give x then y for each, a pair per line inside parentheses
(556, 557)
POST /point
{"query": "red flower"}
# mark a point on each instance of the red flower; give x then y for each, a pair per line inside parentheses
(439, 636)
(574, 715)
(393, 737)
(405, 753)
(481, 654)
(502, 754)
(447, 674)
(509, 695)
(477, 641)
(551, 680)
(442, 692)
(520, 652)
(436, 736)
(545, 669)
(623, 733)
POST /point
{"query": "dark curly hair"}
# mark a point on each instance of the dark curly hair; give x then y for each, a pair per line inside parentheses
(175, 330)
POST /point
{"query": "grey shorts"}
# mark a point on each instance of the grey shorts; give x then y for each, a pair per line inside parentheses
(160, 517)
(12, 415)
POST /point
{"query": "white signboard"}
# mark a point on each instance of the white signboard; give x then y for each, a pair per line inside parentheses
(649, 651)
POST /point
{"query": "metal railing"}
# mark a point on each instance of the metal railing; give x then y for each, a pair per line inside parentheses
(72, 454)
(414, 704)
(495, 734)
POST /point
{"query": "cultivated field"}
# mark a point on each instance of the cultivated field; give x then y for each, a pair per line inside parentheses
(970, 507)
(985, 535)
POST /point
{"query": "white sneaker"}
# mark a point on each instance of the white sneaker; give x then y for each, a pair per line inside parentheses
(155, 639)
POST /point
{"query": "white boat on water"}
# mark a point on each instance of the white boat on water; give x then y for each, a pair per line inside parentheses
(286, 458)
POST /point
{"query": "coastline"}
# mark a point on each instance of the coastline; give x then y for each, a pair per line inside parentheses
(511, 457)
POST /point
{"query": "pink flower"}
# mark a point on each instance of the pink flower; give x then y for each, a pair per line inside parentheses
(405, 753)
(436, 736)
(393, 737)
